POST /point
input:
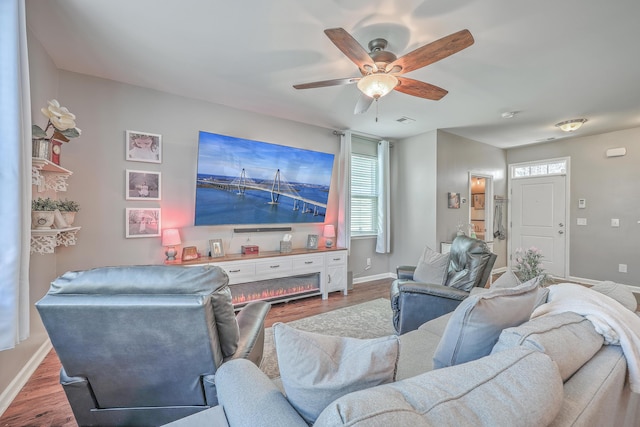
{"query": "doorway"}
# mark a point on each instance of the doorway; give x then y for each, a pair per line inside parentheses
(480, 203)
(538, 212)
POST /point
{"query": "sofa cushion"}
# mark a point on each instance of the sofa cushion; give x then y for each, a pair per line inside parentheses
(477, 322)
(618, 292)
(432, 267)
(517, 384)
(316, 369)
(568, 338)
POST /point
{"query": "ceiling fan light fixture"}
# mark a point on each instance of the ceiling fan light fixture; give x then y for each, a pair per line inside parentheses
(571, 125)
(377, 85)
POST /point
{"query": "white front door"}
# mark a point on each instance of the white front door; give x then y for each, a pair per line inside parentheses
(539, 219)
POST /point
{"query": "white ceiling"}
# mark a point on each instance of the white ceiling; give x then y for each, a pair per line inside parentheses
(549, 60)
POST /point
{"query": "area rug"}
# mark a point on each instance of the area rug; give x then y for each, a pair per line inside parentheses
(371, 319)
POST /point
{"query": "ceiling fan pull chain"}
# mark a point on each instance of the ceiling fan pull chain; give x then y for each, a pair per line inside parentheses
(376, 110)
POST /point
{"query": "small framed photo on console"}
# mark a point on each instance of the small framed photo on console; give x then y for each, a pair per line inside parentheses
(312, 241)
(216, 248)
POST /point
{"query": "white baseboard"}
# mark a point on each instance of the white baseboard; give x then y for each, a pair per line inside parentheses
(373, 277)
(23, 376)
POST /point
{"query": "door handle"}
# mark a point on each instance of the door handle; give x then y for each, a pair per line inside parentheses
(561, 225)
(560, 232)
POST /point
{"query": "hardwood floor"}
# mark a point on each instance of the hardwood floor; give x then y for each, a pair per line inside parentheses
(43, 403)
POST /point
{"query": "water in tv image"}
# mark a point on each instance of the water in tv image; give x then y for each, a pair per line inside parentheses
(240, 181)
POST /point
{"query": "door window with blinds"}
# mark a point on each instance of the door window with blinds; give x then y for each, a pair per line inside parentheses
(364, 187)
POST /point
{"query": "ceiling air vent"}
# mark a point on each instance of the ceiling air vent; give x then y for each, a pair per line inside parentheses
(405, 120)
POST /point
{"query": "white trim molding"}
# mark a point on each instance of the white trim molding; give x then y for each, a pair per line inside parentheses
(23, 376)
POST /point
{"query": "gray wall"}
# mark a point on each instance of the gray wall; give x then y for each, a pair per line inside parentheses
(105, 110)
(610, 187)
(457, 156)
(413, 195)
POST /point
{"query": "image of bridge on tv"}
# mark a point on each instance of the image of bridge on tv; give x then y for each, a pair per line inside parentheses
(277, 187)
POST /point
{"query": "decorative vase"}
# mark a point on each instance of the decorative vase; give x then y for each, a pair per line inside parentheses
(42, 220)
(69, 217)
(40, 148)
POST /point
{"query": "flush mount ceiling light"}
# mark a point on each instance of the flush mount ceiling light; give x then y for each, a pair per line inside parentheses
(377, 85)
(571, 125)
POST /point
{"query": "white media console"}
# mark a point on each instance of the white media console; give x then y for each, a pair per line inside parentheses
(276, 276)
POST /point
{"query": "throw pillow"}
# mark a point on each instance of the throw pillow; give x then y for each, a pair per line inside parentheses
(618, 292)
(316, 369)
(432, 267)
(477, 322)
(508, 279)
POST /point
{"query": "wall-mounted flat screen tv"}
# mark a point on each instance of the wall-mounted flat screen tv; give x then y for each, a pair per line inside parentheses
(240, 181)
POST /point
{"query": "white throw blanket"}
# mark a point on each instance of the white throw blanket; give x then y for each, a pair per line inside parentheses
(617, 324)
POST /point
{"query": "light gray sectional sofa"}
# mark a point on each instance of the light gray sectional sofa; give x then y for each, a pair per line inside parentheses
(552, 370)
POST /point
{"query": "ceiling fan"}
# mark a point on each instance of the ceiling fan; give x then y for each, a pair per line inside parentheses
(381, 70)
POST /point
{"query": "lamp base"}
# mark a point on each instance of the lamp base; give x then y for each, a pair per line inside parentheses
(171, 253)
(328, 243)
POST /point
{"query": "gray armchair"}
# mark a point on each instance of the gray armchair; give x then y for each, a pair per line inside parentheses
(140, 345)
(414, 303)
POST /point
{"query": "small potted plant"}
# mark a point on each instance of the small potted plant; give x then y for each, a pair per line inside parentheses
(68, 209)
(529, 265)
(43, 213)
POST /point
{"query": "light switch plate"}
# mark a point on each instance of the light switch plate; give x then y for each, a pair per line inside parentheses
(615, 222)
(582, 221)
(582, 203)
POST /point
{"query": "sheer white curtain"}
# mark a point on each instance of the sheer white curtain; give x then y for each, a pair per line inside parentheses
(15, 175)
(383, 242)
(344, 182)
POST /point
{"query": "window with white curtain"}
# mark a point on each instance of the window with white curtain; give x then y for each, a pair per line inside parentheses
(364, 187)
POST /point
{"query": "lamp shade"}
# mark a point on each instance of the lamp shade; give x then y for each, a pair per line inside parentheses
(171, 237)
(329, 231)
(377, 85)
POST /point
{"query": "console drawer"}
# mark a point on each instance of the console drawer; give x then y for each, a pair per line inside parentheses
(275, 266)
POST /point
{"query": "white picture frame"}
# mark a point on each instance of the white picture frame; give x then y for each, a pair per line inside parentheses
(143, 185)
(312, 241)
(142, 222)
(216, 247)
(143, 146)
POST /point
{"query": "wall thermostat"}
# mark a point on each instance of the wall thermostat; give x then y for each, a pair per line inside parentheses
(582, 203)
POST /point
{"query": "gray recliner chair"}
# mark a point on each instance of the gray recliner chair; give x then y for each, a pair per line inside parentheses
(140, 345)
(414, 303)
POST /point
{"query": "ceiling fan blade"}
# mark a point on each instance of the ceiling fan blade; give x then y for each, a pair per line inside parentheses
(352, 49)
(432, 52)
(420, 89)
(325, 83)
(363, 104)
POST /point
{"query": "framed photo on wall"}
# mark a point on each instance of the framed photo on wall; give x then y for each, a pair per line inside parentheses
(454, 200)
(142, 222)
(143, 185)
(216, 248)
(143, 147)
